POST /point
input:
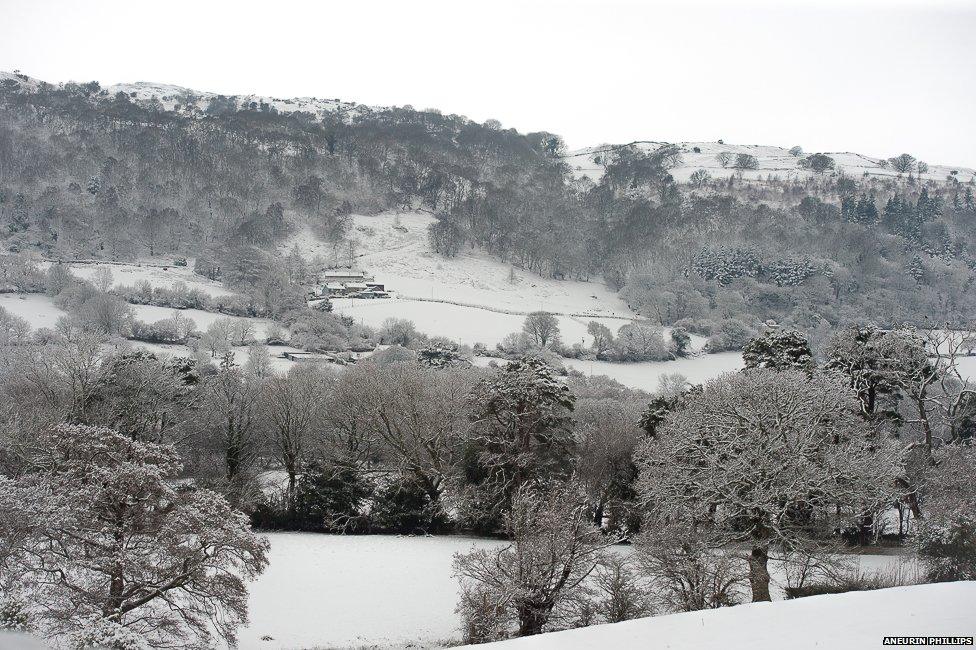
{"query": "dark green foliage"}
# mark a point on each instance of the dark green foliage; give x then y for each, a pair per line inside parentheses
(817, 162)
(660, 407)
(441, 356)
(333, 498)
(726, 264)
(328, 498)
(523, 428)
(680, 339)
(403, 507)
(779, 350)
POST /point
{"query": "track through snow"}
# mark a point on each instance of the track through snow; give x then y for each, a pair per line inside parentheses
(855, 621)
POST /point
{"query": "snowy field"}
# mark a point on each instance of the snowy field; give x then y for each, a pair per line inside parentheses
(647, 375)
(332, 591)
(853, 620)
(37, 309)
(466, 325)
(201, 319)
(775, 161)
(156, 275)
(394, 248)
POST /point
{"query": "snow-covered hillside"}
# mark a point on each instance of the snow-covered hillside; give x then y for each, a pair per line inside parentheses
(471, 298)
(189, 101)
(854, 620)
(775, 161)
(186, 100)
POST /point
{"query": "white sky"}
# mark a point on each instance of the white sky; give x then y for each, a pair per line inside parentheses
(874, 76)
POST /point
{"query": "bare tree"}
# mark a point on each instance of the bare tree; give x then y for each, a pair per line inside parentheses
(724, 158)
(420, 415)
(229, 418)
(542, 329)
(554, 548)
(699, 178)
(102, 279)
(292, 406)
(685, 572)
(767, 458)
(607, 433)
(602, 337)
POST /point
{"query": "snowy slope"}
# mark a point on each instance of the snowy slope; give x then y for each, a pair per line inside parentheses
(776, 161)
(773, 160)
(156, 274)
(853, 620)
(470, 298)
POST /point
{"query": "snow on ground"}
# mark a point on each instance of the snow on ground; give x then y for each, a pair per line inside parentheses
(383, 591)
(772, 160)
(647, 375)
(339, 591)
(851, 620)
(467, 325)
(241, 353)
(201, 319)
(37, 309)
(157, 275)
(394, 248)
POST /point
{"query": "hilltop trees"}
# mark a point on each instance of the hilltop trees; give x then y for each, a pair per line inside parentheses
(818, 163)
(768, 458)
(903, 164)
(97, 536)
(744, 161)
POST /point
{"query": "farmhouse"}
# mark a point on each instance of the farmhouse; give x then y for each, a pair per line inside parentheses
(337, 283)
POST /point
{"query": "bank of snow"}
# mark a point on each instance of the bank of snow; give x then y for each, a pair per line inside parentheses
(852, 620)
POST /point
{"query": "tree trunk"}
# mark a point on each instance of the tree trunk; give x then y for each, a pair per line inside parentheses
(759, 573)
(532, 617)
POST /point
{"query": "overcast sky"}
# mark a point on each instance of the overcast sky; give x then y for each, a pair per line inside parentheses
(874, 76)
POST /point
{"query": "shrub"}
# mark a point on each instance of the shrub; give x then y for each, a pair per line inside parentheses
(403, 507)
(948, 548)
(328, 498)
(853, 580)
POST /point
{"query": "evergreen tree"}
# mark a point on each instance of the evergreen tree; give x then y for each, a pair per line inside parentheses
(779, 350)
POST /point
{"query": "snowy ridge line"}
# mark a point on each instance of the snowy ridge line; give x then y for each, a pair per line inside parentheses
(516, 312)
(588, 151)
